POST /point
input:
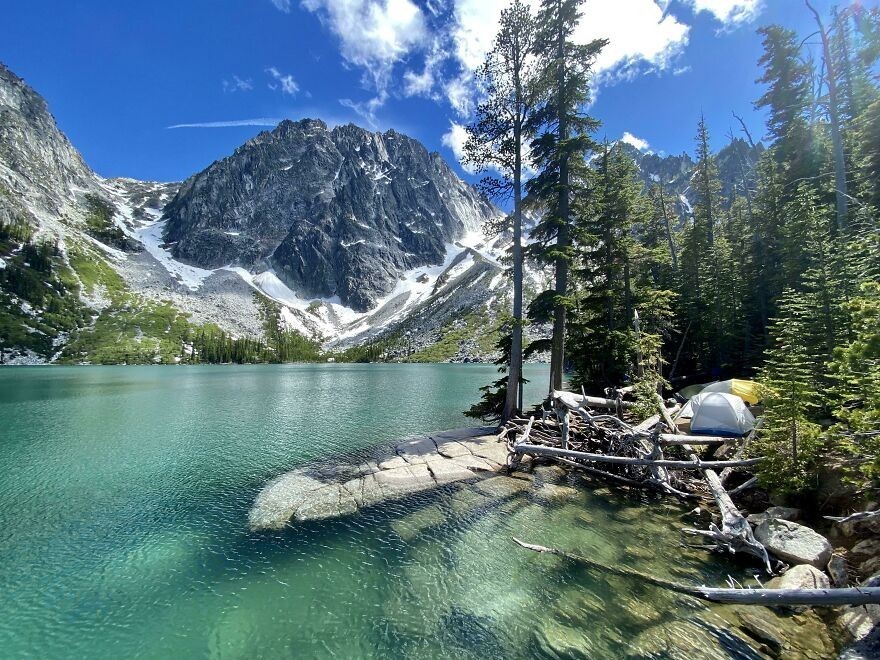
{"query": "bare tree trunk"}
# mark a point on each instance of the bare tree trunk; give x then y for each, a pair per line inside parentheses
(672, 251)
(557, 354)
(820, 597)
(513, 403)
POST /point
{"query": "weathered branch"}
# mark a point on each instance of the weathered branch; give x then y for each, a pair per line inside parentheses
(555, 452)
(812, 597)
(574, 401)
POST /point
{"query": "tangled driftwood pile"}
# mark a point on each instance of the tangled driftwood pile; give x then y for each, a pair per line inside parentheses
(591, 434)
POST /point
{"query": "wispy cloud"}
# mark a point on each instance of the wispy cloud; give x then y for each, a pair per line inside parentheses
(455, 139)
(237, 85)
(729, 11)
(282, 81)
(259, 121)
(374, 36)
(282, 5)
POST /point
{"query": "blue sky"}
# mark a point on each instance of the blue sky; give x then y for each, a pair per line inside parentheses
(118, 74)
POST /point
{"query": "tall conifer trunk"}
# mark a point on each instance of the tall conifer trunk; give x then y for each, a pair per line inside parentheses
(557, 355)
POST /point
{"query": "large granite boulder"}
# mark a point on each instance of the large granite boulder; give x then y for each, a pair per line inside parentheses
(861, 621)
(794, 543)
(802, 576)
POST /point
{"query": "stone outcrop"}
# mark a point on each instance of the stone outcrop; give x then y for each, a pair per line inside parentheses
(794, 543)
(38, 164)
(417, 464)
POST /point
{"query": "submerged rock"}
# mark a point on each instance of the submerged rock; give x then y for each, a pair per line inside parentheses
(418, 464)
(793, 542)
(413, 524)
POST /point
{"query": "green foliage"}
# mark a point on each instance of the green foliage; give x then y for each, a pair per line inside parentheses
(490, 407)
(38, 294)
(473, 327)
(100, 225)
(856, 369)
(789, 440)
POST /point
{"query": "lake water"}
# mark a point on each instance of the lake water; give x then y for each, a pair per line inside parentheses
(124, 494)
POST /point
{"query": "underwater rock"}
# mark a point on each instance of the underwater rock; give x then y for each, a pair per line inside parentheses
(315, 493)
(413, 524)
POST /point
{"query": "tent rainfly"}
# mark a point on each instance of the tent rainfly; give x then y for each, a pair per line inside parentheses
(747, 390)
(720, 413)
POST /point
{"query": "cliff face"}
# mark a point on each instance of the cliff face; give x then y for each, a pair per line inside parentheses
(39, 168)
(334, 212)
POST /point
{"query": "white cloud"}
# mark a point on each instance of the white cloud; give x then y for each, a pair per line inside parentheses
(260, 121)
(282, 81)
(455, 139)
(367, 109)
(640, 36)
(638, 143)
(374, 34)
(729, 11)
(282, 5)
(237, 85)
(424, 83)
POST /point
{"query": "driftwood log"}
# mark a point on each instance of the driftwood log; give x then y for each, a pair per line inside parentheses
(735, 534)
(812, 597)
(693, 464)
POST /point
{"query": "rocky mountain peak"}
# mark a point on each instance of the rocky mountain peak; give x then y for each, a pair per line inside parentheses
(37, 161)
(339, 212)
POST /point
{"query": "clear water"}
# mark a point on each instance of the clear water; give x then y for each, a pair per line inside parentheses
(124, 494)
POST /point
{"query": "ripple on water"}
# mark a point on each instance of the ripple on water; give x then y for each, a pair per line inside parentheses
(126, 494)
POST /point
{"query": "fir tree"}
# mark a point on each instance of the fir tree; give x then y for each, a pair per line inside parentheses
(497, 139)
(563, 140)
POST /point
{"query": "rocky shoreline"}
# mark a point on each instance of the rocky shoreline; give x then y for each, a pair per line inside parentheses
(474, 457)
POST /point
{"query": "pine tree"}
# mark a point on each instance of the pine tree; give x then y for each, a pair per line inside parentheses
(789, 440)
(601, 330)
(497, 139)
(856, 369)
(787, 99)
(559, 151)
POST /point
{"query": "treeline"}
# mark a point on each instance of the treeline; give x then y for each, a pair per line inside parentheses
(214, 346)
(777, 278)
(211, 345)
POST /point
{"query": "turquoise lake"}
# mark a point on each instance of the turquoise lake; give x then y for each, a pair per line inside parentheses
(125, 491)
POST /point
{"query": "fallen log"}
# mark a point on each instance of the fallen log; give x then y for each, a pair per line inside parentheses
(574, 401)
(740, 452)
(677, 439)
(744, 486)
(555, 452)
(854, 517)
(735, 534)
(810, 597)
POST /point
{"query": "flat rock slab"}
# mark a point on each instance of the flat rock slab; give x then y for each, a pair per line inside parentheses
(417, 464)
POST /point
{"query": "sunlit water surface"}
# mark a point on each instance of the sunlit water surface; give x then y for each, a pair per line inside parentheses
(124, 494)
